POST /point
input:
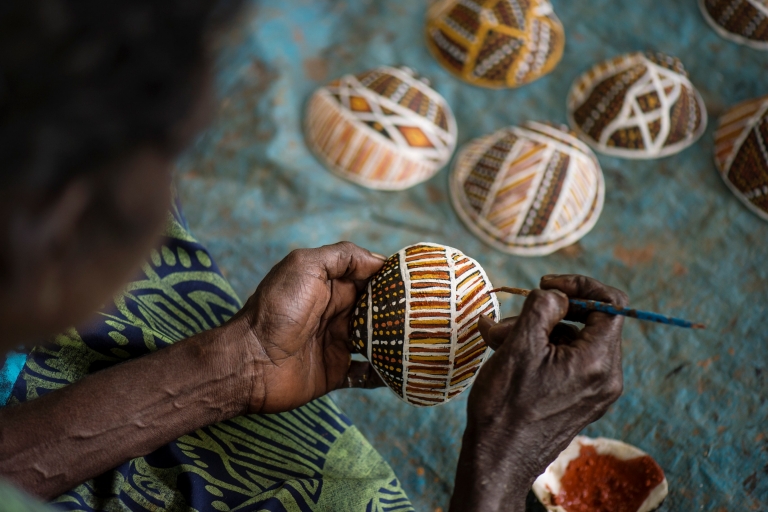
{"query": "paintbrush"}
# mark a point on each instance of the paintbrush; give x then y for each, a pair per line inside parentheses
(593, 305)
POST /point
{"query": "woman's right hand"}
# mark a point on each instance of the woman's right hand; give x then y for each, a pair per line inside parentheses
(543, 385)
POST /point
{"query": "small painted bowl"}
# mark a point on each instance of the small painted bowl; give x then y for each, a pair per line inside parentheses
(417, 322)
(528, 190)
(498, 43)
(639, 105)
(741, 153)
(385, 129)
(742, 21)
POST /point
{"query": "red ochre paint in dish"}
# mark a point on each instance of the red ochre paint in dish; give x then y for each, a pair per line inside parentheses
(603, 483)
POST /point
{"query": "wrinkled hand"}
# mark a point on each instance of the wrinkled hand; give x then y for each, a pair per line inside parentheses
(543, 385)
(296, 327)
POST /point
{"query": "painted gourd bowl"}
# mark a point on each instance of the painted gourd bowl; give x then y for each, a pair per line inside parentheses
(384, 129)
(495, 43)
(417, 322)
(528, 190)
(639, 105)
(742, 21)
(741, 153)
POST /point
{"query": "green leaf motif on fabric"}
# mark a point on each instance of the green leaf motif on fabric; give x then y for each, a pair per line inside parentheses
(203, 259)
(214, 490)
(155, 257)
(184, 259)
(168, 256)
(115, 325)
(119, 338)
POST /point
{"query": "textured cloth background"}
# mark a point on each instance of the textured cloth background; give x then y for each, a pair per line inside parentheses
(671, 234)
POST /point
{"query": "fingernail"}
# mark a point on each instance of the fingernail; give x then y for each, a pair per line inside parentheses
(485, 319)
(549, 276)
(379, 256)
(484, 324)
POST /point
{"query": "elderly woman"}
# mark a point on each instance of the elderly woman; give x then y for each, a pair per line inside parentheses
(171, 394)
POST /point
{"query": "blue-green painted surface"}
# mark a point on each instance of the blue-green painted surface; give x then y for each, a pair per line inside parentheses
(671, 234)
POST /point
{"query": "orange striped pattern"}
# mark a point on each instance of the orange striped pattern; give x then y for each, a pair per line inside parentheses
(338, 141)
(383, 129)
(446, 292)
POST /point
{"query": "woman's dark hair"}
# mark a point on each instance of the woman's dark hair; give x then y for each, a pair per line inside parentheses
(83, 82)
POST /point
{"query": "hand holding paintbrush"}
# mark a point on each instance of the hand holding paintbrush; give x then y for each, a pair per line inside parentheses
(604, 307)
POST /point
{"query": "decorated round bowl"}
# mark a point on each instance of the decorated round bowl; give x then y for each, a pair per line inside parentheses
(639, 105)
(385, 129)
(741, 153)
(528, 190)
(495, 43)
(417, 322)
(742, 21)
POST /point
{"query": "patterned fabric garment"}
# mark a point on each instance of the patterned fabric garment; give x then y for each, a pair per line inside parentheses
(311, 458)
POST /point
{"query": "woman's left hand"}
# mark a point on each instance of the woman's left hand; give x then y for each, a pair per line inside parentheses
(297, 330)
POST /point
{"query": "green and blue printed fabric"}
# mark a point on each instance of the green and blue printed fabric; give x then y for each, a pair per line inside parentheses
(311, 458)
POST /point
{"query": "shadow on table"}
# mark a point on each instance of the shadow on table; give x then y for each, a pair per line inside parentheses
(532, 503)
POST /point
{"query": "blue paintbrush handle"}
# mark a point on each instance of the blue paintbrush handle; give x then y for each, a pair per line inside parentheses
(591, 305)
